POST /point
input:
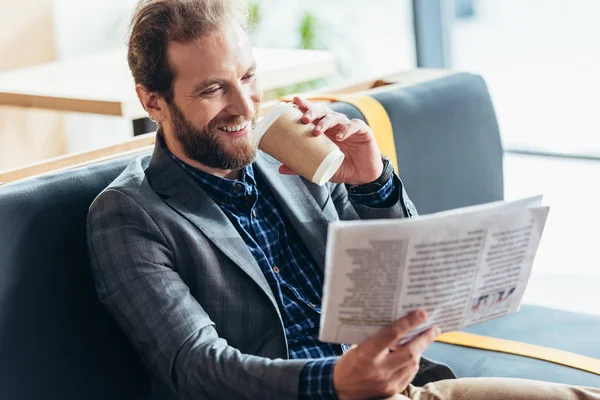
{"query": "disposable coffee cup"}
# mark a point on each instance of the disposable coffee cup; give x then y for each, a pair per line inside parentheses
(282, 135)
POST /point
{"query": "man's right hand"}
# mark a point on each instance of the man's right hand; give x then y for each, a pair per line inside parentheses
(379, 367)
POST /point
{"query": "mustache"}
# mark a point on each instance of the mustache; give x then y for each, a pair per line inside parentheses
(235, 120)
(230, 122)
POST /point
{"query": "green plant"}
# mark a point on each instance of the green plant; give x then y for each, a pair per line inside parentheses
(308, 37)
(308, 31)
(253, 15)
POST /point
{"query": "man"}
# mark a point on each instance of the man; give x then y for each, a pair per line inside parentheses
(210, 256)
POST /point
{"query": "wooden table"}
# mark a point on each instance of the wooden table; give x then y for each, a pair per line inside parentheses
(145, 142)
(102, 83)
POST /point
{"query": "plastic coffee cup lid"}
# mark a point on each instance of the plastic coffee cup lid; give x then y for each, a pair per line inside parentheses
(265, 123)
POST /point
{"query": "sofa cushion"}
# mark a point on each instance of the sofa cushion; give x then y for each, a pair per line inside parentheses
(563, 330)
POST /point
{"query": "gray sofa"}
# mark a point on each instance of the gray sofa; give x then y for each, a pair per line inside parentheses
(57, 342)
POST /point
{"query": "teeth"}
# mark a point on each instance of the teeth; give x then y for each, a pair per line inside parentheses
(234, 128)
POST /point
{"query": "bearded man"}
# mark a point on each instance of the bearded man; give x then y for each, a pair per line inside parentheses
(210, 254)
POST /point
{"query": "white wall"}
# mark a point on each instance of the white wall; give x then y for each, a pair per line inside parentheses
(369, 38)
(26, 38)
(83, 28)
(541, 60)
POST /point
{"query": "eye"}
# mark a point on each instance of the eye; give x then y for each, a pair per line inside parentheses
(211, 91)
(249, 76)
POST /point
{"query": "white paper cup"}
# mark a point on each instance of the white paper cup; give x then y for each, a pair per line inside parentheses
(282, 135)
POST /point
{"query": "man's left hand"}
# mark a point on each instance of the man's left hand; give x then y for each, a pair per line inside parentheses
(354, 137)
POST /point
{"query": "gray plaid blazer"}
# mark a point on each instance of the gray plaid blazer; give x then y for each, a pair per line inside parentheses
(181, 283)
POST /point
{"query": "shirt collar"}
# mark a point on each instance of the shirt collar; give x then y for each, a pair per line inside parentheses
(222, 190)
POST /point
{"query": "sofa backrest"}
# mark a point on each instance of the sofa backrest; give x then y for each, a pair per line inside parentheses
(57, 342)
(447, 141)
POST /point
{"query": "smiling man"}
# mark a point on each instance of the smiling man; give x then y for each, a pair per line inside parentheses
(210, 254)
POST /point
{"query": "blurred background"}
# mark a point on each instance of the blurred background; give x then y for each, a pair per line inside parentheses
(540, 59)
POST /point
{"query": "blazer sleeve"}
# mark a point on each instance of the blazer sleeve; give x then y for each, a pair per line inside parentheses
(132, 265)
(402, 208)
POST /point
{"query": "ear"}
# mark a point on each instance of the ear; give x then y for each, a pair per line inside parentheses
(155, 105)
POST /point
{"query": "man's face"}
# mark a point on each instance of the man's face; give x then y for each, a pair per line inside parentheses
(216, 99)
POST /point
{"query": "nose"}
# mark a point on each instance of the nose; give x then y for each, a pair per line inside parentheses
(242, 101)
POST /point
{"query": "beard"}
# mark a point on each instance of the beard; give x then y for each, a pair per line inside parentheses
(208, 147)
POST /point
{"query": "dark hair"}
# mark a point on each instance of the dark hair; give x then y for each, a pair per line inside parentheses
(155, 23)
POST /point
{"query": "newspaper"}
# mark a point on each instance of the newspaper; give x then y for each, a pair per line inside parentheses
(462, 266)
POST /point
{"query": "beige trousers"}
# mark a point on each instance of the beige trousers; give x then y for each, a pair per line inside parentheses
(498, 389)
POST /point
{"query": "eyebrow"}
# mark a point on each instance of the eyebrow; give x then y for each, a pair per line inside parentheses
(200, 87)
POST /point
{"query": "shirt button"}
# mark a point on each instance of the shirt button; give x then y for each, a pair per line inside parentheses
(276, 269)
(254, 213)
(237, 187)
(312, 305)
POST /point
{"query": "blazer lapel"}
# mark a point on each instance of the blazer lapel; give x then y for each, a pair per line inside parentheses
(182, 193)
(309, 218)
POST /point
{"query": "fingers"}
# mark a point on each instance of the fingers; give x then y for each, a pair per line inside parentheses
(329, 121)
(284, 170)
(389, 336)
(315, 113)
(405, 362)
(311, 112)
(371, 370)
(303, 104)
(355, 126)
(409, 355)
(325, 119)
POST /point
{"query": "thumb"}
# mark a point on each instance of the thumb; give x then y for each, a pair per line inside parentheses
(284, 170)
(389, 336)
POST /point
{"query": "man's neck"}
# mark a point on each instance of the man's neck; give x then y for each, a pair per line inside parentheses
(175, 149)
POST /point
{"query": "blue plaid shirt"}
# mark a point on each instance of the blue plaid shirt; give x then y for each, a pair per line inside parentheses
(292, 274)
